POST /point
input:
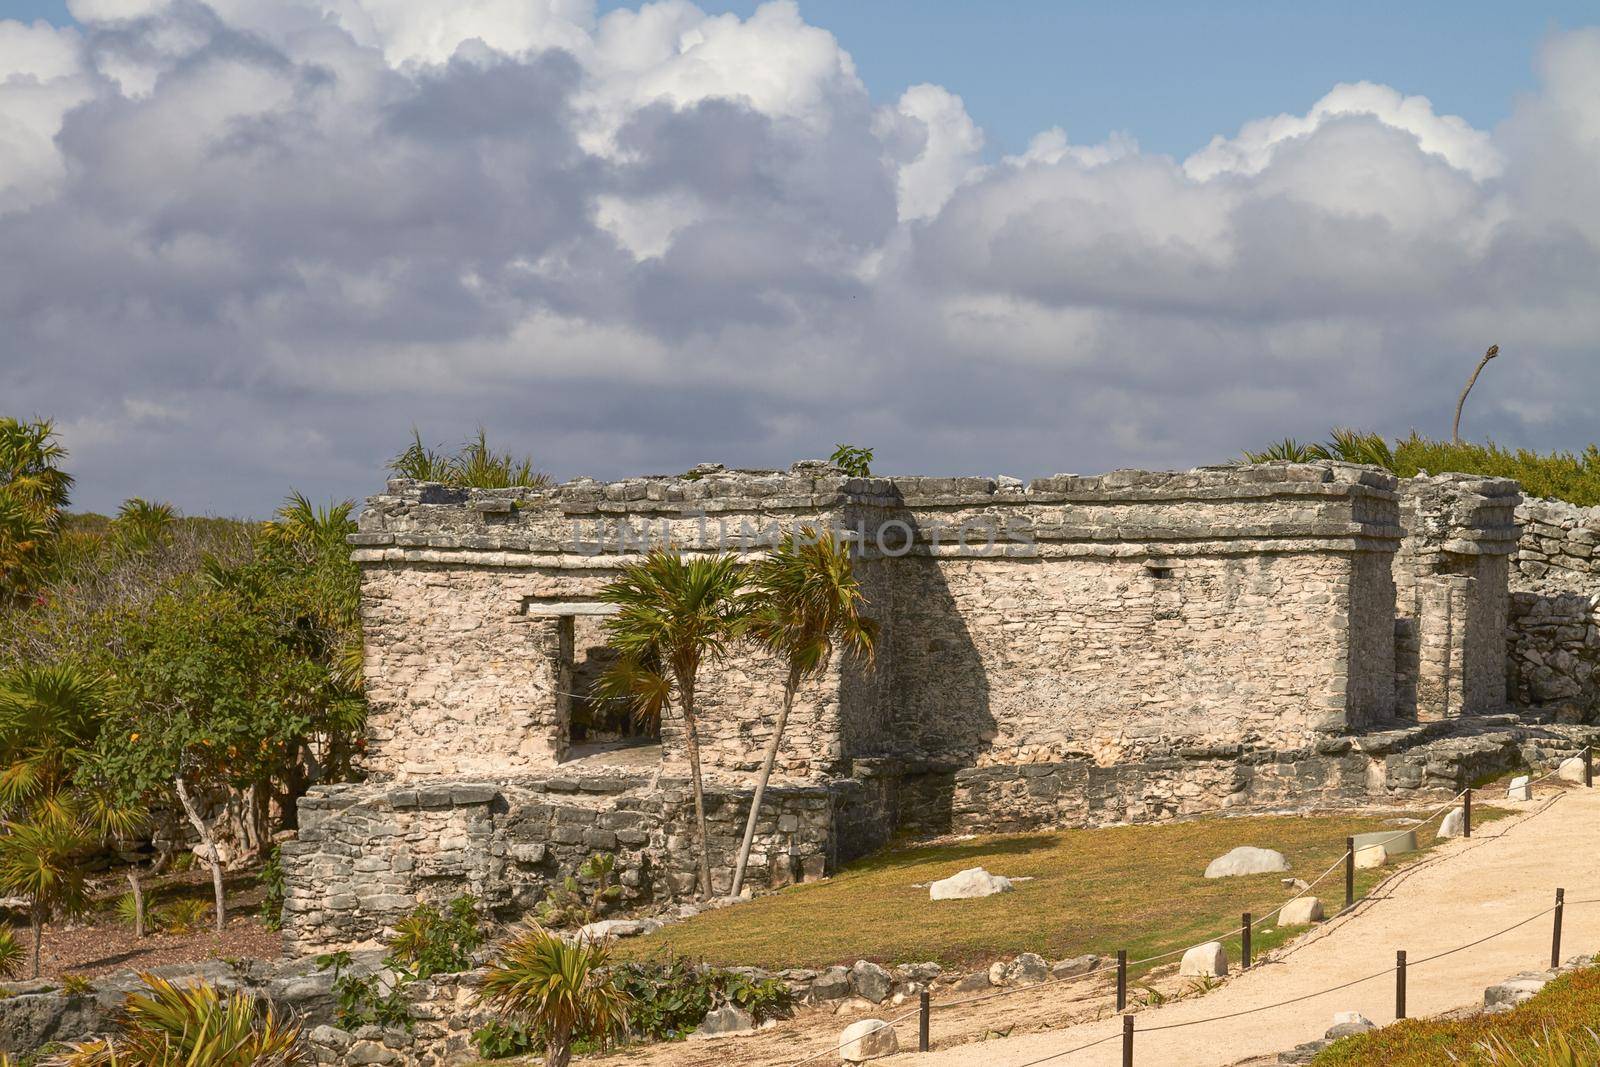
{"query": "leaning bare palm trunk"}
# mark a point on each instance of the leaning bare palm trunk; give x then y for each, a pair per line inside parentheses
(208, 841)
(767, 761)
(692, 743)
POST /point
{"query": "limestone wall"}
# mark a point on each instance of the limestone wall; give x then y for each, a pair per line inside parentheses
(1073, 615)
(366, 854)
(1451, 589)
(1554, 638)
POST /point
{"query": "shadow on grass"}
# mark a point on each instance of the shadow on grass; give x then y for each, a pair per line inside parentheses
(914, 855)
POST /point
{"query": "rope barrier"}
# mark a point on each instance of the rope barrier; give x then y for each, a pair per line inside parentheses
(1300, 892)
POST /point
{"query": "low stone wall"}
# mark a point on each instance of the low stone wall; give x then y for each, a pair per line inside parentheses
(1554, 641)
(1436, 758)
(367, 854)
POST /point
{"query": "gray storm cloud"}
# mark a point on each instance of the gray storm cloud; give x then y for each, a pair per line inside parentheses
(249, 245)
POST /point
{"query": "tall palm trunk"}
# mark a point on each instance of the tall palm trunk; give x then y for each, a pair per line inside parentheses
(692, 744)
(790, 686)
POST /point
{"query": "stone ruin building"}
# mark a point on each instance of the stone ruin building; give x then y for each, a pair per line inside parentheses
(1070, 652)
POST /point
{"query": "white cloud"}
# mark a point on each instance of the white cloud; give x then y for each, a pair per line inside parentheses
(1447, 136)
(661, 236)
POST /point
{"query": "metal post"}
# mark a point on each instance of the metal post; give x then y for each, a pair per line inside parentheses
(1555, 935)
(1349, 872)
(922, 1023)
(1127, 1041)
(1466, 813)
(1244, 950)
(1588, 767)
(1400, 984)
(1122, 978)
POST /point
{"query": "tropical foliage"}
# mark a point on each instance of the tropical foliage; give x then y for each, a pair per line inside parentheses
(1573, 477)
(559, 991)
(675, 614)
(474, 465)
(168, 1025)
(34, 491)
(803, 600)
(856, 462)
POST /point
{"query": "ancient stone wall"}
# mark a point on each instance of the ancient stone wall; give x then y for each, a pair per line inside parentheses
(1451, 589)
(366, 854)
(1554, 637)
(1071, 616)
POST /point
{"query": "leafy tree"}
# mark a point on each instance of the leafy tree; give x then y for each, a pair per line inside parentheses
(674, 615)
(33, 492)
(559, 990)
(803, 599)
(474, 465)
(856, 462)
(39, 861)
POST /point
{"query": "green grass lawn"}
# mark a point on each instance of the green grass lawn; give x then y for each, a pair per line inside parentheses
(1135, 887)
(1567, 1011)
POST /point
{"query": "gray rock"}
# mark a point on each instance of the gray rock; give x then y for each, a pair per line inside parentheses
(1571, 770)
(1247, 859)
(331, 1037)
(728, 1019)
(1028, 969)
(362, 1052)
(974, 982)
(1348, 1024)
(871, 981)
(1452, 825)
(1520, 788)
(831, 984)
(1075, 966)
(1515, 990)
(867, 1039)
(1301, 911)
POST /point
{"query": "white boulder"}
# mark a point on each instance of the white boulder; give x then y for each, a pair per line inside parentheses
(1571, 770)
(1209, 960)
(1348, 1023)
(1371, 856)
(1247, 859)
(973, 882)
(1301, 911)
(1452, 825)
(1521, 788)
(867, 1039)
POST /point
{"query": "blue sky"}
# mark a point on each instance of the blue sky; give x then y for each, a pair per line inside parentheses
(1170, 74)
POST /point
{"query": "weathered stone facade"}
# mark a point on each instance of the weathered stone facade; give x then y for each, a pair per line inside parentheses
(1075, 651)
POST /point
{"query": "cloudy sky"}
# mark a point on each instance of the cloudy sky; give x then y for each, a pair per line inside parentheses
(247, 246)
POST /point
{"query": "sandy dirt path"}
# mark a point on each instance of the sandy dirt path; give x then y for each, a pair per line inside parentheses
(1463, 891)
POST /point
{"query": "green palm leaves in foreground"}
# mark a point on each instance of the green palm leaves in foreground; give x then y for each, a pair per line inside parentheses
(674, 615)
(39, 861)
(804, 600)
(33, 490)
(556, 988)
(175, 1026)
(49, 717)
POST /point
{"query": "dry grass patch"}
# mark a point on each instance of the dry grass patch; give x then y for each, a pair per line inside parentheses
(1136, 887)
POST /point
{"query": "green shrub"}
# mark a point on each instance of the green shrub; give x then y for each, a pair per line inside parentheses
(856, 462)
(182, 916)
(570, 904)
(668, 996)
(497, 1039)
(12, 955)
(430, 942)
(1567, 476)
(363, 1000)
(272, 890)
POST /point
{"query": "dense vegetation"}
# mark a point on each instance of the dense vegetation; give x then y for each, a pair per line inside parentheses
(153, 665)
(1558, 1026)
(1574, 478)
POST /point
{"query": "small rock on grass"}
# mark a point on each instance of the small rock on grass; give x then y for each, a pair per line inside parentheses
(1301, 911)
(1209, 960)
(967, 884)
(1247, 859)
(1371, 856)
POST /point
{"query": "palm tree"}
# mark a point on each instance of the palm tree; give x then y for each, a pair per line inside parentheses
(556, 988)
(804, 599)
(675, 614)
(141, 525)
(49, 718)
(33, 491)
(39, 862)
